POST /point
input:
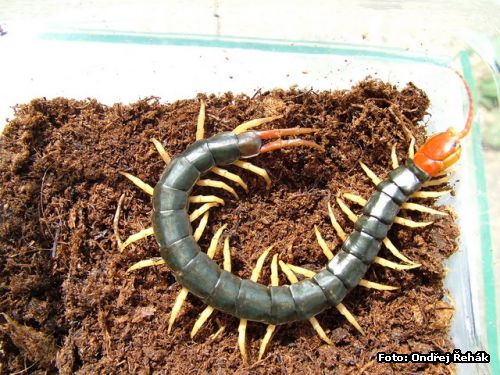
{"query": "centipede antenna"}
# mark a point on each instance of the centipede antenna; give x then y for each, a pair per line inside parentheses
(230, 176)
(395, 266)
(205, 314)
(116, 220)
(373, 285)
(201, 210)
(322, 243)
(270, 327)
(148, 189)
(314, 322)
(254, 169)
(136, 237)
(350, 318)
(254, 123)
(335, 224)
(430, 194)
(201, 227)
(394, 157)
(156, 261)
(371, 175)
(205, 199)
(163, 153)
(285, 143)
(242, 328)
(470, 115)
(217, 184)
(200, 125)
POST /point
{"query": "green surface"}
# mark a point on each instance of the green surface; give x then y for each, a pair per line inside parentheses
(485, 235)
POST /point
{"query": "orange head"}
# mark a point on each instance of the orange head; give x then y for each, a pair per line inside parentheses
(443, 149)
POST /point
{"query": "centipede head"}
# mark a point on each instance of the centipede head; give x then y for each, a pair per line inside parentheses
(442, 150)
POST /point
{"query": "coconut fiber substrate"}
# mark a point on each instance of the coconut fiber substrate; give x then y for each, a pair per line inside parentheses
(70, 306)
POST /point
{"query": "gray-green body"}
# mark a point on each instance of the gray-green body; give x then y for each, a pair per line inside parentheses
(247, 299)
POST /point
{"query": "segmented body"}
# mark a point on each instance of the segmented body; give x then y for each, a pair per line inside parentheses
(246, 299)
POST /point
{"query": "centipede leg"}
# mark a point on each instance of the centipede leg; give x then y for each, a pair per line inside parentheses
(314, 322)
(181, 297)
(230, 176)
(148, 189)
(200, 125)
(163, 153)
(271, 327)
(205, 199)
(389, 245)
(217, 184)
(205, 314)
(350, 318)
(398, 220)
(254, 169)
(201, 210)
(242, 327)
(254, 123)
(136, 237)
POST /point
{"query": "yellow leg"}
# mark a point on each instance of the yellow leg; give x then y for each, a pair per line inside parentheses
(179, 301)
(371, 175)
(206, 199)
(254, 169)
(326, 250)
(314, 322)
(395, 266)
(398, 220)
(200, 126)
(163, 153)
(271, 327)
(386, 241)
(146, 263)
(116, 220)
(230, 176)
(301, 270)
(201, 227)
(242, 328)
(350, 318)
(422, 208)
(335, 224)
(200, 211)
(218, 185)
(254, 123)
(411, 147)
(394, 157)
(374, 285)
(430, 194)
(136, 237)
(205, 314)
(439, 181)
(139, 183)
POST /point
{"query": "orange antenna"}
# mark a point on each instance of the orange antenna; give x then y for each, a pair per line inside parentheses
(470, 116)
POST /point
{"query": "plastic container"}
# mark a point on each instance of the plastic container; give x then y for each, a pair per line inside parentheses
(122, 67)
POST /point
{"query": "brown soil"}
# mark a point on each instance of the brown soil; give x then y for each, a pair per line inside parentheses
(69, 304)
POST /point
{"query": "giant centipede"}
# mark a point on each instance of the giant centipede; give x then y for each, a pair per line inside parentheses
(275, 305)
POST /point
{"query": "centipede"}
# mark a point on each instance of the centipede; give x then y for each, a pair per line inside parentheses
(316, 291)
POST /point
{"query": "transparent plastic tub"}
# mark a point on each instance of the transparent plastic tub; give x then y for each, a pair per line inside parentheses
(123, 67)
